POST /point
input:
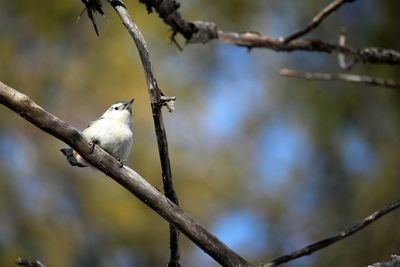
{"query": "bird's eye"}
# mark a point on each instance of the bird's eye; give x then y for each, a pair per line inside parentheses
(116, 108)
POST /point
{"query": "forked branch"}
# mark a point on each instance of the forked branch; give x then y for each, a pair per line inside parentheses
(204, 32)
(316, 21)
(158, 100)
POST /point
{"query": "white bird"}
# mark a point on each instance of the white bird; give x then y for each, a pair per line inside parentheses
(112, 132)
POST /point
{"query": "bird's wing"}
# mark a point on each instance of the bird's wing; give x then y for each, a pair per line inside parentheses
(92, 129)
(95, 121)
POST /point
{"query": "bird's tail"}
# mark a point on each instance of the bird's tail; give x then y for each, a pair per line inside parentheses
(71, 156)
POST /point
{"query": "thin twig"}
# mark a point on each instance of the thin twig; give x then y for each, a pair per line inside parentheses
(316, 21)
(92, 7)
(342, 77)
(331, 240)
(157, 101)
(342, 57)
(204, 32)
(126, 177)
(29, 263)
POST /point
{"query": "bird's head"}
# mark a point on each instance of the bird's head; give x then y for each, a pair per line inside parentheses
(121, 111)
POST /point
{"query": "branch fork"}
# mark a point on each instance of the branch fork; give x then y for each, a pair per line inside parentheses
(168, 102)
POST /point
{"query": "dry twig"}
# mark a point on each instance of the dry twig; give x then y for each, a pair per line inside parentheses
(342, 77)
(331, 240)
(316, 21)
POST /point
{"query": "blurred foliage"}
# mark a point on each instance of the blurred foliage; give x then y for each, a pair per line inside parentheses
(269, 164)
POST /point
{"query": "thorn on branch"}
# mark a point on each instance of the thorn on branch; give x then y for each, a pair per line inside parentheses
(174, 41)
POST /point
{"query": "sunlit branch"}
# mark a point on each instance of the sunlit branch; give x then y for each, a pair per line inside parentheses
(158, 100)
(341, 77)
(331, 240)
(125, 176)
(316, 21)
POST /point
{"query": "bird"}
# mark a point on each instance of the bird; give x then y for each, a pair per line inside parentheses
(112, 132)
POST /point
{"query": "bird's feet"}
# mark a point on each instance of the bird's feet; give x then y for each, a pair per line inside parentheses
(93, 142)
(121, 162)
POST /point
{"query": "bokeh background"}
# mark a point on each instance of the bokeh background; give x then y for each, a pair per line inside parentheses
(268, 164)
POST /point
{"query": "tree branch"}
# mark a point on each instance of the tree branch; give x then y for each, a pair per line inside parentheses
(204, 32)
(29, 263)
(255, 40)
(331, 240)
(125, 176)
(394, 262)
(158, 100)
(316, 21)
(342, 77)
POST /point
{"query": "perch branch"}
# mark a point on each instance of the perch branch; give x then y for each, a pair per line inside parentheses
(316, 21)
(157, 100)
(342, 77)
(331, 240)
(204, 32)
(125, 176)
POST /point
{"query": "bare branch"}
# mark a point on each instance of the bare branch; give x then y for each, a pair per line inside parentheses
(394, 262)
(316, 21)
(254, 40)
(158, 100)
(331, 240)
(342, 77)
(29, 263)
(204, 32)
(125, 176)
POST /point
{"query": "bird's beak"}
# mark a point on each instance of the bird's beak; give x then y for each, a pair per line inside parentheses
(129, 104)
